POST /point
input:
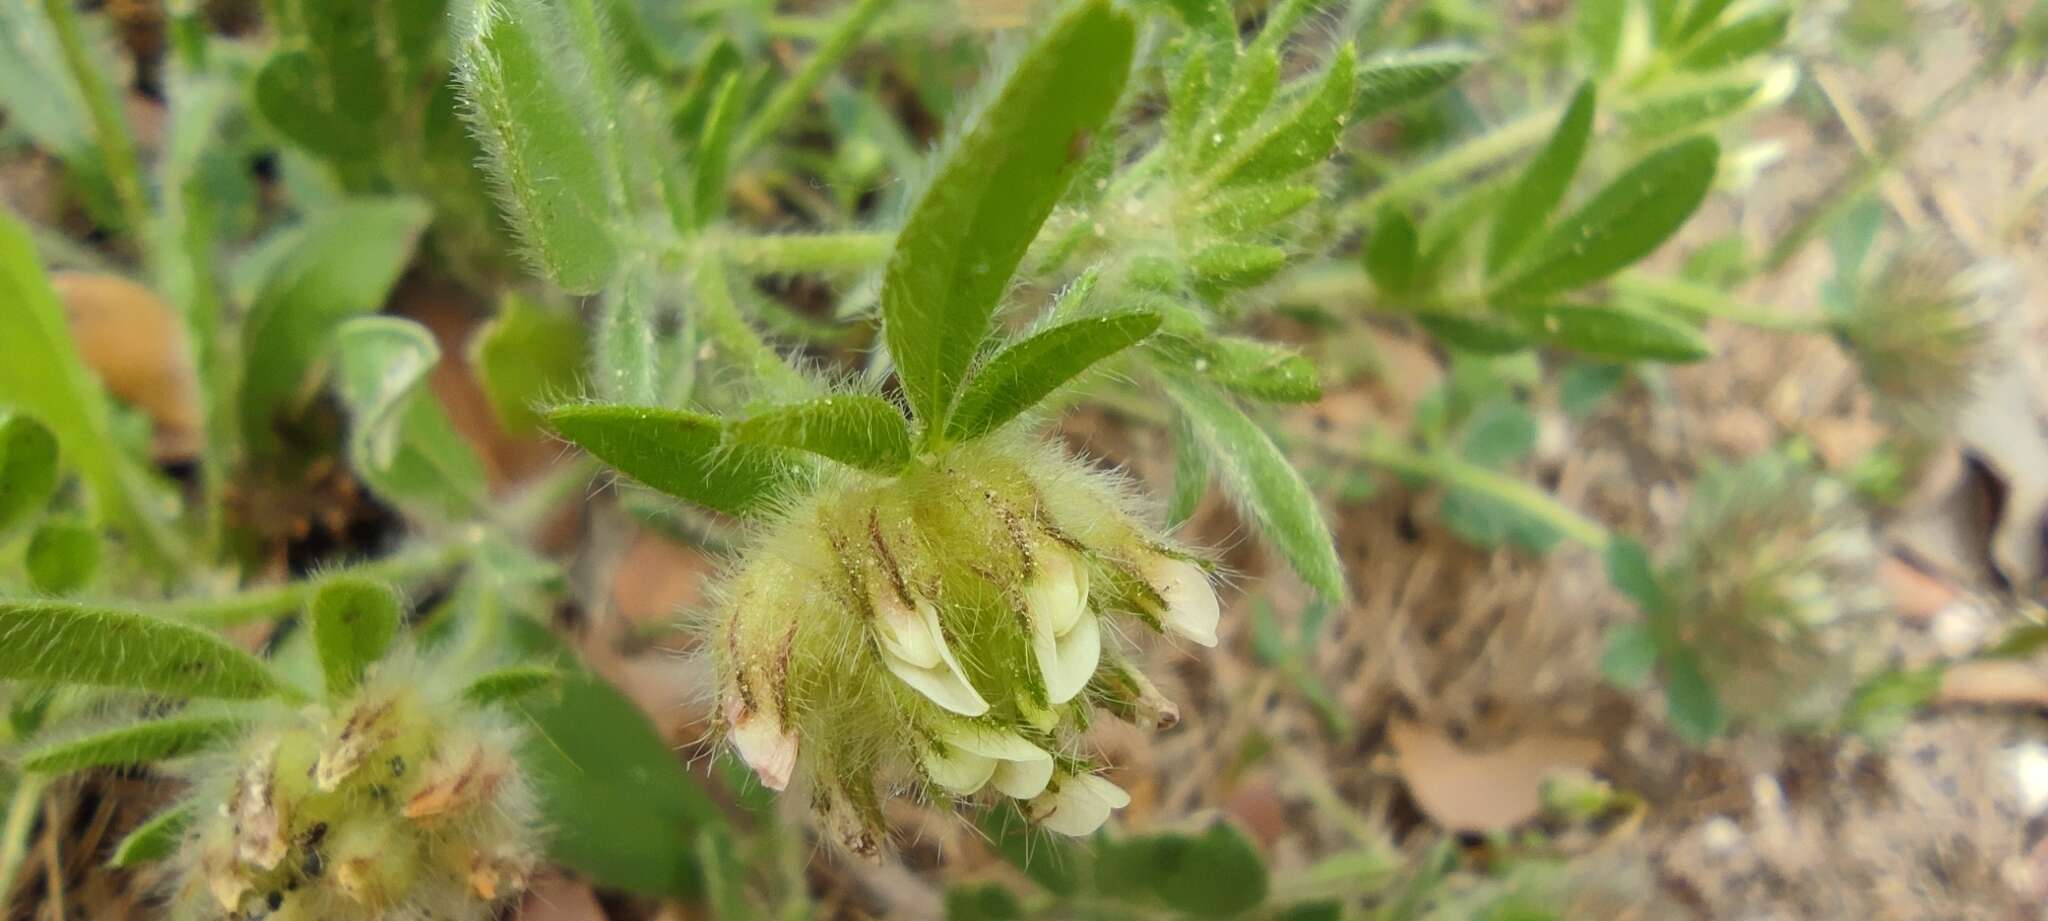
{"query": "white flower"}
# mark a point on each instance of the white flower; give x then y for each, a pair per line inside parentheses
(764, 743)
(1080, 805)
(914, 648)
(973, 756)
(1190, 603)
(1064, 635)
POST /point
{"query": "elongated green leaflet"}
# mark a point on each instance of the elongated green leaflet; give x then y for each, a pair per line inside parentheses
(155, 839)
(506, 685)
(1262, 484)
(342, 265)
(136, 743)
(956, 253)
(354, 621)
(67, 643)
(43, 376)
(28, 469)
(1306, 136)
(677, 452)
(1626, 221)
(1615, 332)
(1393, 81)
(1543, 184)
(1028, 371)
(529, 114)
(854, 429)
(401, 440)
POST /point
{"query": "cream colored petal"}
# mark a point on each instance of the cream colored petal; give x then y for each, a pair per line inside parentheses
(1057, 594)
(1073, 660)
(959, 771)
(1080, 806)
(911, 633)
(946, 685)
(1000, 744)
(1024, 778)
(1191, 609)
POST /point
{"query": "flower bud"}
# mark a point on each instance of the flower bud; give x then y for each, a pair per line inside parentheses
(935, 630)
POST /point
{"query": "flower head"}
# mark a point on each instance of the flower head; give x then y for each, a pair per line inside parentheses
(1926, 331)
(399, 801)
(947, 629)
(1774, 584)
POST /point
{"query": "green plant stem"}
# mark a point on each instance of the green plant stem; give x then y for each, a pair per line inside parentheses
(109, 127)
(262, 604)
(1451, 471)
(21, 819)
(729, 330)
(808, 252)
(1476, 153)
(791, 94)
(1703, 301)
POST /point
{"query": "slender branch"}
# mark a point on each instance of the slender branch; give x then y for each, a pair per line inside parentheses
(1469, 156)
(799, 86)
(265, 603)
(1702, 300)
(1451, 471)
(731, 332)
(109, 127)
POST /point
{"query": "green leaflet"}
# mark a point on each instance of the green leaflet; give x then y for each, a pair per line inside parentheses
(1190, 473)
(63, 556)
(44, 377)
(1393, 252)
(1749, 35)
(1614, 332)
(1391, 81)
(507, 685)
(530, 115)
(677, 452)
(67, 643)
(1544, 182)
(401, 441)
(1305, 136)
(963, 240)
(1254, 80)
(28, 470)
(854, 429)
(342, 264)
(135, 743)
(1217, 873)
(1626, 221)
(525, 357)
(155, 839)
(1256, 207)
(1029, 370)
(354, 621)
(1262, 484)
(714, 151)
(1600, 24)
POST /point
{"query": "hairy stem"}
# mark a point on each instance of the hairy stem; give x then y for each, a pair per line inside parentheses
(1704, 301)
(730, 331)
(791, 94)
(1471, 155)
(22, 808)
(808, 252)
(410, 565)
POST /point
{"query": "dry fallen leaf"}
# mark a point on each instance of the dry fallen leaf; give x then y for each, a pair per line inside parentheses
(1467, 790)
(138, 346)
(1917, 595)
(1994, 681)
